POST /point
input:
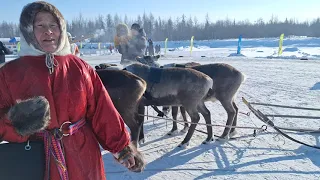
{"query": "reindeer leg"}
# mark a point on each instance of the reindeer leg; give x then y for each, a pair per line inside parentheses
(174, 129)
(140, 119)
(184, 116)
(233, 131)
(207, 116)
(134, 127)
(193, 113)
(227, 104)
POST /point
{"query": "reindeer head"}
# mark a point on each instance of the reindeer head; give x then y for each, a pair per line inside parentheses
(149, 60)
(106, 66)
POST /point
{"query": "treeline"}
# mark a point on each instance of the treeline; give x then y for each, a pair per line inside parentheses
(181, 28)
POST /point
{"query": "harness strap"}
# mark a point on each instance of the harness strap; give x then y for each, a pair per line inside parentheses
(52, 145)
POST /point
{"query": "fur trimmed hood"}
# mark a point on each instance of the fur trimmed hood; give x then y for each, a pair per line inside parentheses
(29, 44)
(122, 30)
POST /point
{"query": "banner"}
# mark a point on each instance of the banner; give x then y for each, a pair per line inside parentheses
(280, 44)
(191, 45)
(165, 46)
(239, 45)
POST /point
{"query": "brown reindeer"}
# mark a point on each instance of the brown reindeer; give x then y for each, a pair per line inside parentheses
(226, 82)
(126, 91)
(177, 87)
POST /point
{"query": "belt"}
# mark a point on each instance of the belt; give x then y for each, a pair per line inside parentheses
(52, 145)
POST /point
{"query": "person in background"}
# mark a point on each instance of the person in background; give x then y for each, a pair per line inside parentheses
(138, 42)
(158, 49)
(146, 51)
(3, 51)
(74, 46)
(121, 41)
(110, 48)
(48, 92)
(150, 47)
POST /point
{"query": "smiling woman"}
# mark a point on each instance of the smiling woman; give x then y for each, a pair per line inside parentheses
(50, 95)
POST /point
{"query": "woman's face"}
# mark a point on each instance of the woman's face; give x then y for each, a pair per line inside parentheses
(47, 31)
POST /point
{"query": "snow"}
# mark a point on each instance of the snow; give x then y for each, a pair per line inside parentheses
(285, 80)
(267, 156)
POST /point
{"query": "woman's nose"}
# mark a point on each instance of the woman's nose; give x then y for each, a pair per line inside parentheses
(48, 30)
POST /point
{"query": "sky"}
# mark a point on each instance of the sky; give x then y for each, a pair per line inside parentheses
(217, 9)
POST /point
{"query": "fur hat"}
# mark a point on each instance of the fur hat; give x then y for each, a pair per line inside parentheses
(122, 30)
(29, 44)
(135, 26)
(30, 116)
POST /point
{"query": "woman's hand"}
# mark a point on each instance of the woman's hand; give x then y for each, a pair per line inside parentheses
(130, 158)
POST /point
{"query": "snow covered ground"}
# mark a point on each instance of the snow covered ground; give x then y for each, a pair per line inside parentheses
(268, 156)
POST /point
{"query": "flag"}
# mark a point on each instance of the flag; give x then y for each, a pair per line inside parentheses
(280, 44)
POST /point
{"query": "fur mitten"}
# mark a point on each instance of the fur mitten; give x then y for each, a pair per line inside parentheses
(30, 116)
(128, 152)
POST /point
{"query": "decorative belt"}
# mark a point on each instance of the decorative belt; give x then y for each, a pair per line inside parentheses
(52, 145)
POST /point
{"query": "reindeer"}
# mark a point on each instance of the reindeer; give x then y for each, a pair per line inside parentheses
(177, 87)
(126, 91)
(226, 83)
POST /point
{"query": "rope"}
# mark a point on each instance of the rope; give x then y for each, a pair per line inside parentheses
(216, 125)
(283, 106)
(266, 120)
(50, 62)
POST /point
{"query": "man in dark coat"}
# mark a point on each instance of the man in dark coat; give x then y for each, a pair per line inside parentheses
(150, 48)
(138, 42)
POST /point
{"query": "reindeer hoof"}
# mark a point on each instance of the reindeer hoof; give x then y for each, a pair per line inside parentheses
(184, 130)
(184, 145)
(175, 132)
(233, 133)
(224, 139)
(141, 141)
(208, 141)
(166, 112)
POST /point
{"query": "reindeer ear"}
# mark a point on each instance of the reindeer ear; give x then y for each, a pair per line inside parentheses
(158, 56)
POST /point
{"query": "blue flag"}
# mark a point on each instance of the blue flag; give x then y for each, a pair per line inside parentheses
(239, 45)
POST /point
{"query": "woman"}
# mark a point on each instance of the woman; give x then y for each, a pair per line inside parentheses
(47, 88)
(121, 41)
